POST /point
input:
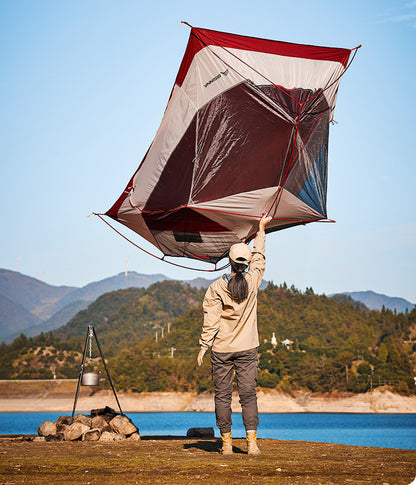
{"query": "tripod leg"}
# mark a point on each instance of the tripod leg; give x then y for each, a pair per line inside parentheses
(81, 372)
(106, 369)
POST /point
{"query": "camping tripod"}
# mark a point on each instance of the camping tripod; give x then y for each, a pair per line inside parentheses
(88, 342)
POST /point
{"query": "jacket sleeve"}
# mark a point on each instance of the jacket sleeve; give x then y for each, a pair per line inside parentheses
(212, 307)
(258, 260)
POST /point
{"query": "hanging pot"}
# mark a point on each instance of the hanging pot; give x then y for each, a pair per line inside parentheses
(90, 379)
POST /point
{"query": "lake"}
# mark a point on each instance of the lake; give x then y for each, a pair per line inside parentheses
(379, 430)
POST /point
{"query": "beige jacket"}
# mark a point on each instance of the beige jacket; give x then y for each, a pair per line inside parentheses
(231, 325)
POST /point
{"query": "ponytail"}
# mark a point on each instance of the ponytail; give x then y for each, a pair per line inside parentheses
(237, 285)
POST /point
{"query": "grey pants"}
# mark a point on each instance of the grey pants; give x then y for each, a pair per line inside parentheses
(245, 365)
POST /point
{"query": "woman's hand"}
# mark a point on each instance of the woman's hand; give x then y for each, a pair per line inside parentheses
(264, 221)
(200, 357)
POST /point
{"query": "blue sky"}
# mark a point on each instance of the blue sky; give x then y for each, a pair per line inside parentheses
(83, 87)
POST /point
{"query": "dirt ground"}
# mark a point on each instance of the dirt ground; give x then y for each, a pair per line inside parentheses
(171, 460)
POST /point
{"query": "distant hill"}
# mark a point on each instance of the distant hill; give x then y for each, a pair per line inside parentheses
(343, 298)
(58, 320)
(376, 301)
(200, 282)
(204, 283)
(31, 306)
(121, 281)
(14, 317)
(36, 296)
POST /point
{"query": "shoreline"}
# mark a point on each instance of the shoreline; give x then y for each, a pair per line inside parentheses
(269, 401)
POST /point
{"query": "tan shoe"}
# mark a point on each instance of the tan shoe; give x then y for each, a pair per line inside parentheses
(227, 444)
(252, 448)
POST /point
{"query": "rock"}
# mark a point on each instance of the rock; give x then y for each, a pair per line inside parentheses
(75, 431)
(61, 428)
(47, 428)
(56, 437)
(91, 435)
(101, 411)
(109, 417)
(200, 433)
(40, 439)
(134, 437)
(107, 436)
(81, 418)
(107, 413)
(101, 423)
(123, 425)
(63, 420)
(62, 423)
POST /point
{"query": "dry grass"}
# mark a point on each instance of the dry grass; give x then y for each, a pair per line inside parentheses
(38, 388)
(165, 460)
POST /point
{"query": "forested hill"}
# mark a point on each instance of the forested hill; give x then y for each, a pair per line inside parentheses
(125, 317)
(331, 344)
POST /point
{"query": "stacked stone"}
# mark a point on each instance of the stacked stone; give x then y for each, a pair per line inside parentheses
(101, 425)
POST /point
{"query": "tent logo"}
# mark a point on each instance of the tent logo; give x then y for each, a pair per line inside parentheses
(225, 73)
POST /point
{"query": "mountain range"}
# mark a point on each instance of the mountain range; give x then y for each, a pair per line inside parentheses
(30, 306)
(376, 301)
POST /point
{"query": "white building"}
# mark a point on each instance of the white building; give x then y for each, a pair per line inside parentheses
(287, 343)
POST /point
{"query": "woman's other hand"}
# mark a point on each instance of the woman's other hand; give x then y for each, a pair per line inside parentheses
(200, 357)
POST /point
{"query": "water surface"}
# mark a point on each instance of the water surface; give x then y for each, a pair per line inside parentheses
(379, 430)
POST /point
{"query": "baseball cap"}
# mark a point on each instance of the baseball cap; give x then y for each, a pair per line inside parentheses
(240, 253)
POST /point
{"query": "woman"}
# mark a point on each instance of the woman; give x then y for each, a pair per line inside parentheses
(230, 330)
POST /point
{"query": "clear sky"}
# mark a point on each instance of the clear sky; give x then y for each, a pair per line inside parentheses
(83, 87)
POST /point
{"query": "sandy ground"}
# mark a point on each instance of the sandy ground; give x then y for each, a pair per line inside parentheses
(269, 401)
(179, 461)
